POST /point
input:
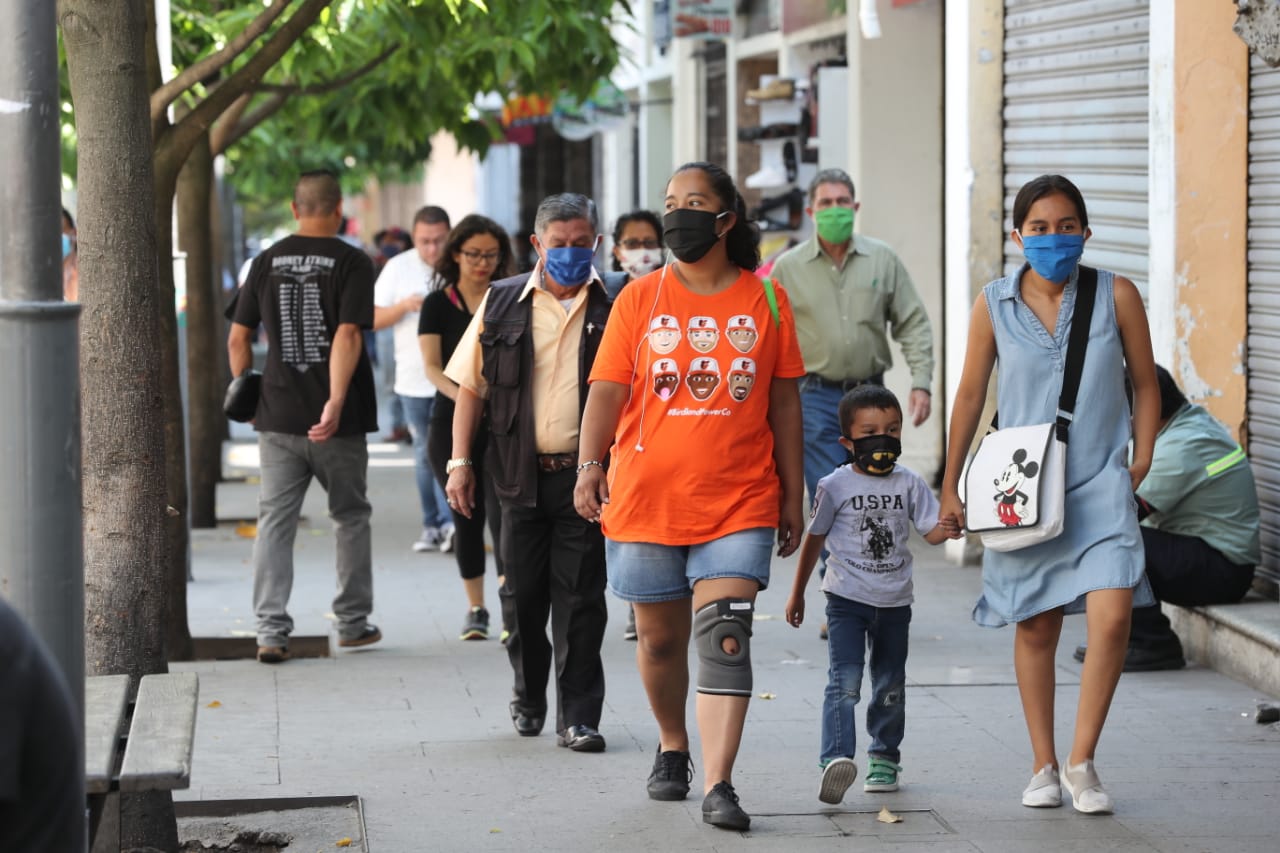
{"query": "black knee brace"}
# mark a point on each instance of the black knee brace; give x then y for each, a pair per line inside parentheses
(719, 672)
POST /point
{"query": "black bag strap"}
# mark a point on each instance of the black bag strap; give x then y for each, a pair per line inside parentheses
(1077, 345)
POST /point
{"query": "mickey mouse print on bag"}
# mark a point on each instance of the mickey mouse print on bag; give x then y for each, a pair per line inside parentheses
(1011, 501)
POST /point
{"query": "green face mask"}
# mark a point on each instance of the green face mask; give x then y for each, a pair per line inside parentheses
(835, 224)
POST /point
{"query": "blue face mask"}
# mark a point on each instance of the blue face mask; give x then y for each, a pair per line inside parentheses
(1053, 256)
(570, 266)
(66, 245)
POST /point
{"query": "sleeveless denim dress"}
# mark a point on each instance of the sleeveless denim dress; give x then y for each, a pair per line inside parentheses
(1100, 546)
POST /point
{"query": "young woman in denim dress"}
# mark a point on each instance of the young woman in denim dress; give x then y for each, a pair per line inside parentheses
(1095, 565)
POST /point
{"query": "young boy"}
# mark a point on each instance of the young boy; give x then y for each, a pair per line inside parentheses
(861, 513)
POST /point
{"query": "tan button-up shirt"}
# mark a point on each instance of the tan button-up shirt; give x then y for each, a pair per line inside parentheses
(842, 311)
(557, 339)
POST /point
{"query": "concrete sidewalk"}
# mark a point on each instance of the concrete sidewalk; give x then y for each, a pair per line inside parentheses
(417, 725)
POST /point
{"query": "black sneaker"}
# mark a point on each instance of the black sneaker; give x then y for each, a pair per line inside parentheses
(672, 773)
(368, 636)
(476, 627)
(721, 809)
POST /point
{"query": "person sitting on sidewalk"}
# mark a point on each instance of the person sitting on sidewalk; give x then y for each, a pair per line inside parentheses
(1199, 512)
(867, 507)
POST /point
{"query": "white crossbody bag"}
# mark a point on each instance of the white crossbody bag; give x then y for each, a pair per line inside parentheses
(1015, 488)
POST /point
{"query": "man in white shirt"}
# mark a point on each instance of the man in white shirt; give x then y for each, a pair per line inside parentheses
(397, 297)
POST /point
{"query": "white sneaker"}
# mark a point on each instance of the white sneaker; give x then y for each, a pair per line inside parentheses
(428, 541)
(837, 776)
(1045, 790)
(1085, 789)
(447, 534)
(766, 178)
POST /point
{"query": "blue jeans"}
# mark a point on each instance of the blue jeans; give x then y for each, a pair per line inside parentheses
(852, 627)
(822, 450)
(819, 406)
(435, 506)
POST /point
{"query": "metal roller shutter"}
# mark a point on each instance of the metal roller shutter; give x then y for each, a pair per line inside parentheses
(1075, 104)
(1264, 303)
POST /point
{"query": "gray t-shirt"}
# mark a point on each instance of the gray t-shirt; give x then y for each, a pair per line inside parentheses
(865, 520)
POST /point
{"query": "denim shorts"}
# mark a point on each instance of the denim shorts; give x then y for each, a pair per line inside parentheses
(647, 572)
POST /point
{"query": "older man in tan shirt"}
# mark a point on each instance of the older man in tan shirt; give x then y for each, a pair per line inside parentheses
(525, 361)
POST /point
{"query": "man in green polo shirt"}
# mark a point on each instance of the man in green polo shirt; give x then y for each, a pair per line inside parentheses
(1199, 511)
(846, 291)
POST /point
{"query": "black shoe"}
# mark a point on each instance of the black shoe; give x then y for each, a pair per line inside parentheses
(527, 725)
(672, 773)
(768, 131)
(721, 809)
(1142, 659)
(789, 159)
(793, 200)
(368, 636)
(581, 739)
(476, 626)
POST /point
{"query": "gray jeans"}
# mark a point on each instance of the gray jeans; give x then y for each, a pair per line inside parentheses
(288, 462)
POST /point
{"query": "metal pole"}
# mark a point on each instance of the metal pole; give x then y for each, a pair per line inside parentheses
(41, 545)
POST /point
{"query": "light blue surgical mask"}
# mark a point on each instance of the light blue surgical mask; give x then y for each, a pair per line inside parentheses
(570, 266)
(1053, 256)
(66, 245)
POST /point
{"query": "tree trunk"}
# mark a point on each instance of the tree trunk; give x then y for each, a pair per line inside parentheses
(123, 466)
(204, 378)
(177, 535)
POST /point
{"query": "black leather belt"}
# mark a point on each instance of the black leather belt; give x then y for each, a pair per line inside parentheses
(846, 384)
(551, 463)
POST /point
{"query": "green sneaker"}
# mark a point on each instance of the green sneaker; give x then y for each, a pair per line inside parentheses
(882, 775)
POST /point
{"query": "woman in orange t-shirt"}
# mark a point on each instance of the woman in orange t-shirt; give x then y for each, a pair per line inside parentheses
(695, 388)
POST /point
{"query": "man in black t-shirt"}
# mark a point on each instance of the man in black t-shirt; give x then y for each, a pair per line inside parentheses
(314, 295)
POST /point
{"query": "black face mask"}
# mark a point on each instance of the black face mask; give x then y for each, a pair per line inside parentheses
(876, 454)
(690, 234)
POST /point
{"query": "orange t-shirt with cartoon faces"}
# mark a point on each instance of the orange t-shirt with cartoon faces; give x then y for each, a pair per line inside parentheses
(699, 368)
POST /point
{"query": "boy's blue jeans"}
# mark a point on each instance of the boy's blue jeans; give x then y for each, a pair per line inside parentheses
(853, 627)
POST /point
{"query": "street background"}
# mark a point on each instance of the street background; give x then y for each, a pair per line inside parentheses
(418, 727)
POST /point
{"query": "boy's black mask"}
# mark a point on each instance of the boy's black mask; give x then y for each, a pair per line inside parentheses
(876, 454)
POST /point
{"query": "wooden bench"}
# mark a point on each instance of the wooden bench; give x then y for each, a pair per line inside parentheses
(157, 731)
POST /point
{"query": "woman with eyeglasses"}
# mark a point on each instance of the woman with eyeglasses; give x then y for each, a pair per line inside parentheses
(695, 399)
(476, 253)
(637, 243)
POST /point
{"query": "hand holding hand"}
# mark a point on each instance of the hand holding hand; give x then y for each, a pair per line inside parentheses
(951, 525)
(952, 508)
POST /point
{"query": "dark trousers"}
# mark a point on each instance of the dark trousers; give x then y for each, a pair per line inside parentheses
(1186, 571)
(468, 542)
(555, 568)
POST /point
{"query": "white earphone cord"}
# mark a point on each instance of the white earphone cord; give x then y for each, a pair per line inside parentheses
(644, 397)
